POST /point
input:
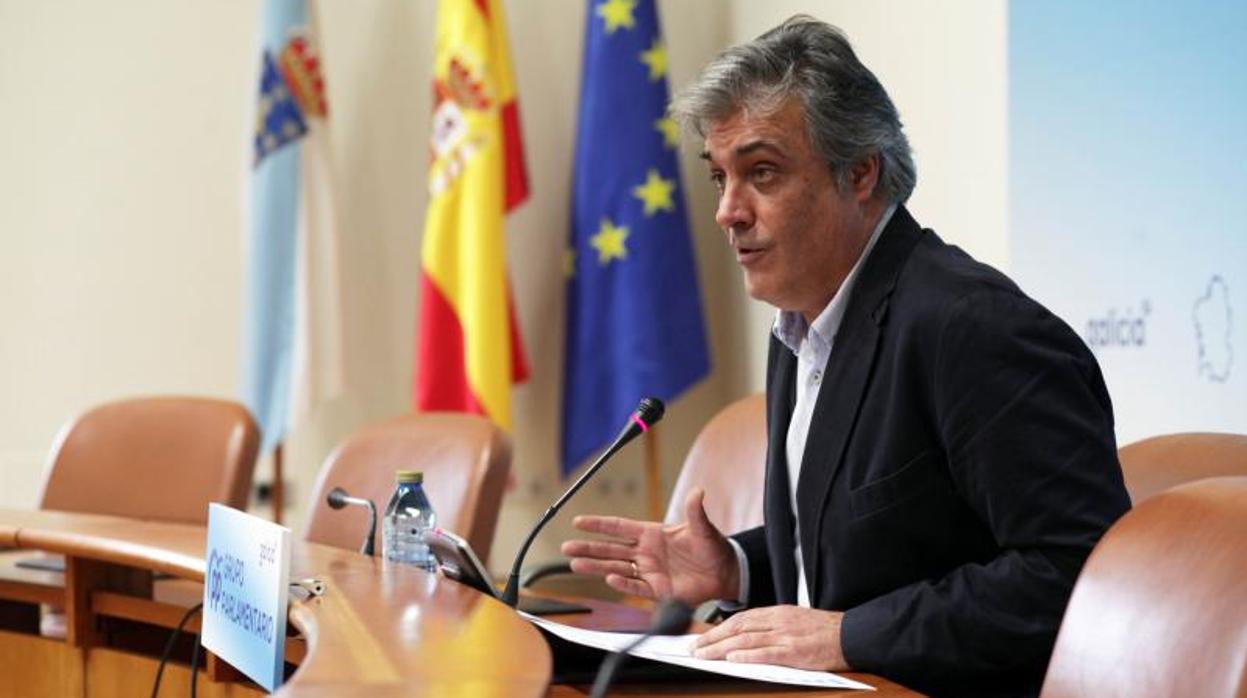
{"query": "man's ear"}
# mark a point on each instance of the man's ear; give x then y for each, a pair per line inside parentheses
(863, 176)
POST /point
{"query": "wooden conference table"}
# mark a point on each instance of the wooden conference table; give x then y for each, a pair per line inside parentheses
(378, 630)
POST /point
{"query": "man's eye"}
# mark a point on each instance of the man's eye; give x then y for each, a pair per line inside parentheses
(762, 175)
(716, 178)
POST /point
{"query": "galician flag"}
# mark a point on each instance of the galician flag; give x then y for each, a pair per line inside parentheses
(469, 351)
(292, 334)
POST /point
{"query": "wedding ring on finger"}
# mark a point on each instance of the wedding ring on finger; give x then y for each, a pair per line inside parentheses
(636, 571)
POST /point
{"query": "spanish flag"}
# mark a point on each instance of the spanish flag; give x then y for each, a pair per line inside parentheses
(468, 351)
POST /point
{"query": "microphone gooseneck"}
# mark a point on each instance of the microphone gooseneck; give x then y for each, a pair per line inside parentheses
(646, 415)
(339, 498)
(672, 617)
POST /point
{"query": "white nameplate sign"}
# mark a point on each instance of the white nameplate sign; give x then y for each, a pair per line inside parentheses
(246, 576)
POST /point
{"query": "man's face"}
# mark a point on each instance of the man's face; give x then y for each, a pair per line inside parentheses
(795, 234)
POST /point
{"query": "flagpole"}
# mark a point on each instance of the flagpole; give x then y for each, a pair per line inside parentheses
(653, 475)
(276, 492)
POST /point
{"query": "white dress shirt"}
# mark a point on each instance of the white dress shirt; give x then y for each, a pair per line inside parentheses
(812, 344)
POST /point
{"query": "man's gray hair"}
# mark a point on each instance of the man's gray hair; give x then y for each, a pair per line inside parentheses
(848, 114)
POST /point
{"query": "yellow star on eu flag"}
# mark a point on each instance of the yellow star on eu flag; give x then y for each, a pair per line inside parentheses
(670, 131)
(616, 14)
(609, 242)
(655, 193)
(656, 59)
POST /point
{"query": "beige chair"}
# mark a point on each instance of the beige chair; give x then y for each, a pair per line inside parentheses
(465, 460)
(159, 458)
(728, 460)
(1161, 462)
(1160, 608)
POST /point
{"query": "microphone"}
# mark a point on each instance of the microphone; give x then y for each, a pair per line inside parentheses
(338, 498)
(672, 617)
(647, 415)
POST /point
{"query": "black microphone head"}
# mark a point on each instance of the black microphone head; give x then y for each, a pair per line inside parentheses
(672, 617)
(336, 499)
(650, 411)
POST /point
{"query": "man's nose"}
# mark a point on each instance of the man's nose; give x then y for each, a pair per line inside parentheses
(735, 209)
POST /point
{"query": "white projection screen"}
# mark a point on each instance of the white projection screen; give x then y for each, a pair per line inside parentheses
(1128, 197)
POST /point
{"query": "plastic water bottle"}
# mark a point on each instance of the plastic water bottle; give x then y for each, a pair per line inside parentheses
(407, 517)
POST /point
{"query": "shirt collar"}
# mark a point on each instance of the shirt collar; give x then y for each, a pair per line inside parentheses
(790, 326)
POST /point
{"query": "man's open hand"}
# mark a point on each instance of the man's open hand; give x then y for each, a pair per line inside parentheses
(691, 561)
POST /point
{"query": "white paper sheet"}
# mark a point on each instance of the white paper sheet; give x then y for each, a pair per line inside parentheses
(678, 650)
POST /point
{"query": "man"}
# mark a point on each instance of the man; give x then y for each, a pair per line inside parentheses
(941, 454)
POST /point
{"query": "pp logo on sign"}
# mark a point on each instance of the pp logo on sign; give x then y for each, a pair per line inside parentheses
(213, 577)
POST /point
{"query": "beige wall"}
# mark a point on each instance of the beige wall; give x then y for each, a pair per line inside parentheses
(122, 142)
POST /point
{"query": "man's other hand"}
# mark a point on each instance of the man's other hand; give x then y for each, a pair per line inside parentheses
(691, 561)
(794, 636)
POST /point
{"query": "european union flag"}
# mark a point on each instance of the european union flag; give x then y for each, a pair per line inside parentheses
(634, 325)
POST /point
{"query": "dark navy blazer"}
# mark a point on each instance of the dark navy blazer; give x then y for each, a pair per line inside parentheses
(960, 466)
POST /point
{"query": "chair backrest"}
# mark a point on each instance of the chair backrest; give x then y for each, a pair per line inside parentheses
(1160, 608)
(160, 458)
(465, 460)
(1158, 463)
(728, 460)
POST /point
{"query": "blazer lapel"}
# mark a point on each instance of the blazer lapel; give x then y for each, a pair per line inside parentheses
(844, 383)
(777, 512)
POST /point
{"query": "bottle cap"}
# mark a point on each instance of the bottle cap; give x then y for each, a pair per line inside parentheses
(406, 477)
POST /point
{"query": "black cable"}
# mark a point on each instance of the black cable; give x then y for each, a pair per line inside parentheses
(195, 663)
(164, 657)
